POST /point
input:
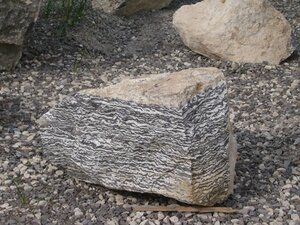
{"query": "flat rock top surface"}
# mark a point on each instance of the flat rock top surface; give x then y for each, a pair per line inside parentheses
(166, 89)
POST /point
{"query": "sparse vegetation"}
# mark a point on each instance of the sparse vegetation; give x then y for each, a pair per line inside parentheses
(68, 12)
(22, 197)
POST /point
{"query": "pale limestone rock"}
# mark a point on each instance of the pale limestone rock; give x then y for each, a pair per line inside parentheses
(128, 7)
(161, 89)
(167, 134)
(235, 30)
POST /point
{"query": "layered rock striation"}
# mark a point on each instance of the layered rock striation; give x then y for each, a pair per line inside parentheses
(167, 134)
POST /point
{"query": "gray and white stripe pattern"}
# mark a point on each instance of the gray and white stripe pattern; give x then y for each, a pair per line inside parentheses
(179, 153)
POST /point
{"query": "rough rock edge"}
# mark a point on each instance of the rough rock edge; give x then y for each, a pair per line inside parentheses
(205, 78)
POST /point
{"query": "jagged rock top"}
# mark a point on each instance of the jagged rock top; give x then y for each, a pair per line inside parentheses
(171, 90)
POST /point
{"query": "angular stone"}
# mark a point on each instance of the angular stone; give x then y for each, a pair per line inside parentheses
(128, 7)
(167, 134)
(15, 20)
(235, 30)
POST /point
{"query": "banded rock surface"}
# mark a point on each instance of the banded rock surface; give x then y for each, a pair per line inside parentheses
(250, 31)
(167, 134)
(128, 7)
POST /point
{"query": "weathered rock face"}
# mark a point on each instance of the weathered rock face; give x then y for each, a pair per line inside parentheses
(236, 30)
(128, 7)
(167, 134)
(15, 19)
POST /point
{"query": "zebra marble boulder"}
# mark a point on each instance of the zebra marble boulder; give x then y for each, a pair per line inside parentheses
(167, 134)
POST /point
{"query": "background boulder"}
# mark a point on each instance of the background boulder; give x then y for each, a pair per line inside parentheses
(128, 7)
(15, 20)
(236, 30)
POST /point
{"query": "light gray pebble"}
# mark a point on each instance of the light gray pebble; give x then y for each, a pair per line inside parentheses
(78, 213)
(174, 219)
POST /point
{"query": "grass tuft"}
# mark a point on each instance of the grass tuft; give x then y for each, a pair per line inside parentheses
(68, 12)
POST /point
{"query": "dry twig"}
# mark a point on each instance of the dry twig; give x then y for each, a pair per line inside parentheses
(178, 208)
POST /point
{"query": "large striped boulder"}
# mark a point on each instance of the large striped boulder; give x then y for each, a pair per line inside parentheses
(167, 134)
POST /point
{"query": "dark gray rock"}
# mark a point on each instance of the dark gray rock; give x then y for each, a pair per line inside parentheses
(16, 18)
(128, 7)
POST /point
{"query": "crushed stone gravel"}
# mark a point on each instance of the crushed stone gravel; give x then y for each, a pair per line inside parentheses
(102, 49)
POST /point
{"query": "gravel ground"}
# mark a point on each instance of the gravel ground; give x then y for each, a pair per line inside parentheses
(101, 50)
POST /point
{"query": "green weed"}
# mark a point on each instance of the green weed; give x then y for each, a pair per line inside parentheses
(68, 12)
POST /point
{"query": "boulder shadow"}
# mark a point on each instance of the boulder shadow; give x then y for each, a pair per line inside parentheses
(252, 179)
(258, 158)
